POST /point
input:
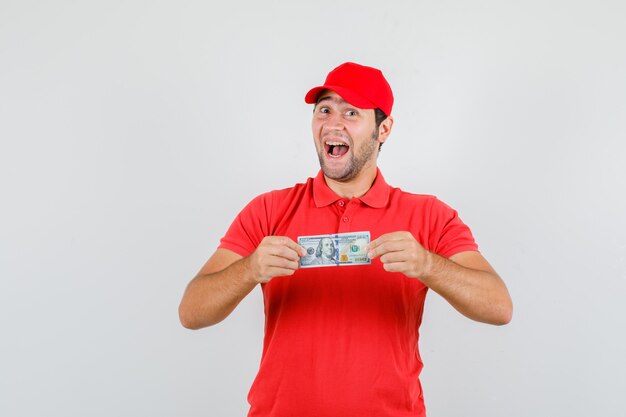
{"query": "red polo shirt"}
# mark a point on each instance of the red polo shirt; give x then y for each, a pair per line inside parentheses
(343, 341)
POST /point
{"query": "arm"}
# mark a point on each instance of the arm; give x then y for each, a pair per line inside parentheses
(227, 278)
(466, 280)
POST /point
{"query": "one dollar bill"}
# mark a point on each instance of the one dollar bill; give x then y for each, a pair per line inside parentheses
(339, 249)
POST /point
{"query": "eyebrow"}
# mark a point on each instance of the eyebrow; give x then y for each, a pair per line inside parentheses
(337, 100)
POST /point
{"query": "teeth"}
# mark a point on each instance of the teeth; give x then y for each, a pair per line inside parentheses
(336, 143)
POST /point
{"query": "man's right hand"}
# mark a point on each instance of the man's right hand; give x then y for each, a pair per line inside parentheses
(227, 278)
(276, 256)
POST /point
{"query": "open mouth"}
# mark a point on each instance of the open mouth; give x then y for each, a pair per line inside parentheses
(336, 149)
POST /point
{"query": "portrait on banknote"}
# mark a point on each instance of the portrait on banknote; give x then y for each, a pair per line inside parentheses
(325, 254)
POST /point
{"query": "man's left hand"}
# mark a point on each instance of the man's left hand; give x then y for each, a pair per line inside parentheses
(401, 252)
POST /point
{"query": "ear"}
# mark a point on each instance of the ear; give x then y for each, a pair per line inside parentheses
(385, 129)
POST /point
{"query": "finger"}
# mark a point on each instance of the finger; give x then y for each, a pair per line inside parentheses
(395, 267)
(387, 237)
(297, 248)
(389, 246)
(283, 263)
(281, 246)
(282, 272)
(393, 257)
(287, 252)
(289, 243)
(274, 266)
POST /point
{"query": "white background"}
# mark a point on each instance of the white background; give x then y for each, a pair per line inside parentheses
(132, 133)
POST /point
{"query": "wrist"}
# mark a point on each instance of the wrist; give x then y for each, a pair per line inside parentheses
(247, 272)
(435, 265)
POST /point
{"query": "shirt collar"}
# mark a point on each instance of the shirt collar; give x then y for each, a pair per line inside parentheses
(376, 197)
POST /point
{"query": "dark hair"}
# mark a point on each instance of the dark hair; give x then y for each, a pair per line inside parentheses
(380, 116)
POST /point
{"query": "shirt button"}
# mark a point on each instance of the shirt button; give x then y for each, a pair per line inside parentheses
(341, 203)
(345, 219)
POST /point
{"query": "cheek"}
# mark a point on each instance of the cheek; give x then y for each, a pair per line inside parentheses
(316, 123)
(359, 130)
(315, 129)
(363, 134)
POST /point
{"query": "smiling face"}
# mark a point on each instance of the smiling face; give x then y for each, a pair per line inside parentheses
(346, 137)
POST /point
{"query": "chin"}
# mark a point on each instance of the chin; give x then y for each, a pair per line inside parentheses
(343, 173)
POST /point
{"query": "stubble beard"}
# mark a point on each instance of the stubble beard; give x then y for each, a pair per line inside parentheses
(357, 160)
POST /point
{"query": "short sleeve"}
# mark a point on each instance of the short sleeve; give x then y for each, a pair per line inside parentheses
(249, 227)
(448, 234)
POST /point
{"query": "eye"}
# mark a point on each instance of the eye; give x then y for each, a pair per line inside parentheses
(351, 113)
(324, 110)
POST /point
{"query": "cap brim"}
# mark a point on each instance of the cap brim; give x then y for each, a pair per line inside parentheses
(347, 94)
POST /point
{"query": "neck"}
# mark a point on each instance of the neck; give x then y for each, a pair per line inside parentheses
(355, 187)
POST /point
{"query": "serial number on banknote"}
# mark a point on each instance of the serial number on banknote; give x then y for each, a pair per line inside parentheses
(340, 249)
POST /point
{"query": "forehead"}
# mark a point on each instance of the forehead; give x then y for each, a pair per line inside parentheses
(332, 97)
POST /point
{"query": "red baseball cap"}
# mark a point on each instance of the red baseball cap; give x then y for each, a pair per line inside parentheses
(361, 86)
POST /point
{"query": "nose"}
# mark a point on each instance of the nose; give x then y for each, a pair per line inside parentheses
(334, 121)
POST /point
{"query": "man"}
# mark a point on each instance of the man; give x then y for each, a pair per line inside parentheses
(325, 252)
(342, 341)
